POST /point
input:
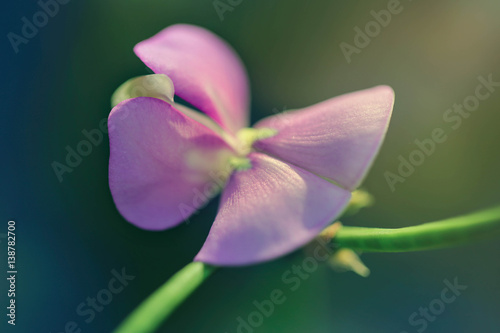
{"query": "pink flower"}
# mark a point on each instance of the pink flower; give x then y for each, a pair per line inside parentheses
(283, 181)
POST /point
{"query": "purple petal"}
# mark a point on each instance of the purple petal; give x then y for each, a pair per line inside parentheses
(268, 211)
(337, 139)
(205, 70)
(162, 163)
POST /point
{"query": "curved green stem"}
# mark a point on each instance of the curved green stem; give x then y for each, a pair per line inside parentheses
(156, 308)
(450, 232)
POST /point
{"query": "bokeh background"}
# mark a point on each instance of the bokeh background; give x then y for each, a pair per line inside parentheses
(70, 235)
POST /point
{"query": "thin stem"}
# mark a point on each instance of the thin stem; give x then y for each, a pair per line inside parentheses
(156, 308)
(450, 232)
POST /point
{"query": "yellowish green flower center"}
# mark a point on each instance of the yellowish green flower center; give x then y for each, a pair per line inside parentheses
(246, 138)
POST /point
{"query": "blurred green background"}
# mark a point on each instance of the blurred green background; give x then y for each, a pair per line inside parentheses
(70, 235)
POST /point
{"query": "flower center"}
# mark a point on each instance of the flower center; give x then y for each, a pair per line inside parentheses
(246, 138)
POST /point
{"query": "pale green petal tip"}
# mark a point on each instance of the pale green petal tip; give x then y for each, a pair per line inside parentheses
(154, 85)
(248, 136)
(240, 163)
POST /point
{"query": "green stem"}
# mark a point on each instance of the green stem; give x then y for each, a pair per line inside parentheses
(156, 308)
(450, 232)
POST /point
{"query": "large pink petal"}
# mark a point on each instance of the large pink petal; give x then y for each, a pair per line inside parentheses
(337, 139)
(205, 70)
(268, 211)
(162, 164)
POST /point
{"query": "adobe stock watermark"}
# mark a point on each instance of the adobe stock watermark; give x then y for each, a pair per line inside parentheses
(223, 6)
(363, 37)
(208, 191)
(30, 26)
(279, 117)
(291, 279)
(89, 308)
(452, 117)
(421, 319)
(74, 156)
(94, 137)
